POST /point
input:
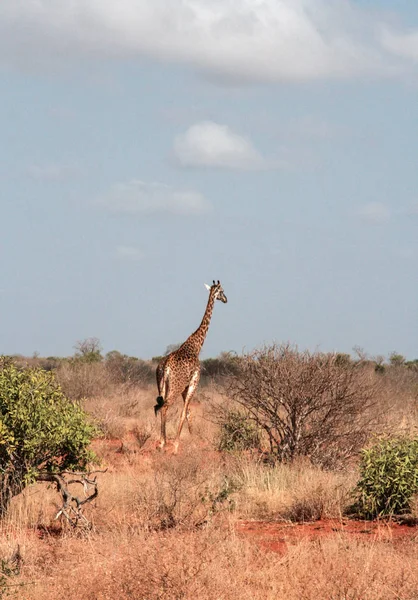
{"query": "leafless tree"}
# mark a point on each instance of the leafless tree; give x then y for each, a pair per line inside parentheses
(310, 404)
(72, 505)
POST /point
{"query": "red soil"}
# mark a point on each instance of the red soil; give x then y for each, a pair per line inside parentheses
(277, 537)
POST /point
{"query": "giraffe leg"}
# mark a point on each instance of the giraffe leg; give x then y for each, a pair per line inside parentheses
(189, 421)
(163, 438)
(185, 413)
(180, 427)
(188, 413)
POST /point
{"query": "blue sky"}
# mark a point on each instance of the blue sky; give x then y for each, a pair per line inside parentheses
(148, 148)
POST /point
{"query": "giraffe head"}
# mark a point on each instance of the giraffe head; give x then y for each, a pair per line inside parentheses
(217, 291)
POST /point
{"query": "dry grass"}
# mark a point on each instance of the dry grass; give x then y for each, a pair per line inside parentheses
(212, 563)
(128, 409)
(123, 409)
(164, 526)
(399, 398)
(154, 537)
(298, 492)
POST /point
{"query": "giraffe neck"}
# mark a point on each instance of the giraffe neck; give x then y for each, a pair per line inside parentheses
(198, 337)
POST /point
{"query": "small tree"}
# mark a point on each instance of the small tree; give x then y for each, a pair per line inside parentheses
(310, 404)
(89, 350)
(42, 433)
(396, 359)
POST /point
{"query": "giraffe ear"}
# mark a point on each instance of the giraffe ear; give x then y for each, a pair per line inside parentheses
(207, 286)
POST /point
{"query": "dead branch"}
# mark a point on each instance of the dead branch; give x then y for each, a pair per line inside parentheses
(72, 505)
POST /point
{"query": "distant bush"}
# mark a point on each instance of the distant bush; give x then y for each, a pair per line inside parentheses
(157, 359)
(225, 364)
(80, 379)
(397, 360)
(128, 369)
(412, 364)
(388, 477)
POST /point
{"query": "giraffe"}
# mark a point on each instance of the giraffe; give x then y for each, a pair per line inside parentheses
(179, 372)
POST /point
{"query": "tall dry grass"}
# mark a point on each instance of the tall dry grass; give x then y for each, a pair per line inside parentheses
(214, 563)
(164, 526)
(296, 492)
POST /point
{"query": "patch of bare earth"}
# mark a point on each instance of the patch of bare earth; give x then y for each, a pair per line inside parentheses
(278, 537)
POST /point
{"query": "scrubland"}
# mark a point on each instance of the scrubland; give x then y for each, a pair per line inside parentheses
(165, 526)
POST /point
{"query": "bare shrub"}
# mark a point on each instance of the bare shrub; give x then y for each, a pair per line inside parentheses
(142, 434)
(182, 494)
(308, 404)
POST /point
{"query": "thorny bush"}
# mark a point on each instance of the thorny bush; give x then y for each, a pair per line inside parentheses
(308, 404)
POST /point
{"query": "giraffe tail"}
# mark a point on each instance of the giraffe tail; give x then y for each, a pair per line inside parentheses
(159, 405)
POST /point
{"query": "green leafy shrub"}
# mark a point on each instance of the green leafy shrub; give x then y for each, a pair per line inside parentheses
(238, 433)
(388, 477)
(41, 431)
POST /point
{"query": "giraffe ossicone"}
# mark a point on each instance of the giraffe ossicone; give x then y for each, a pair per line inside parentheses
(179, 372)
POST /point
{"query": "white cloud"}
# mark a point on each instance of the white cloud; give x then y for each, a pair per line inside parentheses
(247, 40)
(208, 144)
(138, 197)
(375, 213)
(129, 253)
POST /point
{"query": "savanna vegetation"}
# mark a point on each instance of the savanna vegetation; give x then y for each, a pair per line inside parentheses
(90, 509)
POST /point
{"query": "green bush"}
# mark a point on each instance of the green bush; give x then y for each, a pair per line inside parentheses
(41, 431)
(388, 477)
(238, 433)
